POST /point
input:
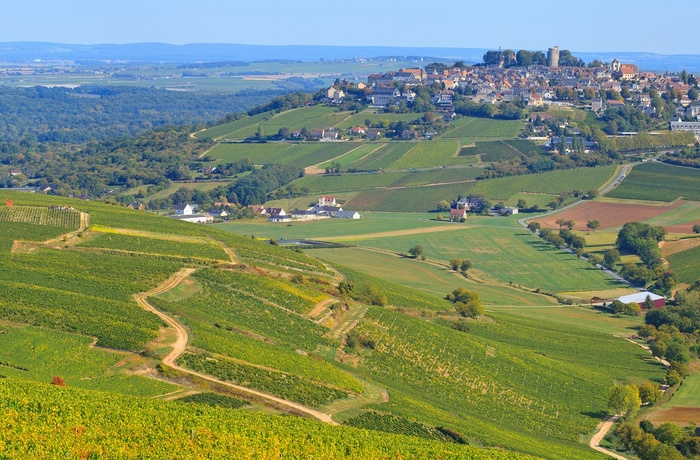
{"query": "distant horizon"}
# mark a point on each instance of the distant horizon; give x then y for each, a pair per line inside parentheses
(298, 45)
(536, 25)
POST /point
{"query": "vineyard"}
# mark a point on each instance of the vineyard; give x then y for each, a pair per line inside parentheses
(685, 265)
(659, 182)
(284, 385)
(486, 376)
(156, 246)
(52, 217)
(94, 424)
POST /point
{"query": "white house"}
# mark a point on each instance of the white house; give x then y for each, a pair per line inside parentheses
(183, 210)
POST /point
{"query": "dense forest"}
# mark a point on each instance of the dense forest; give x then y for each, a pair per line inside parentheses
(91, 112)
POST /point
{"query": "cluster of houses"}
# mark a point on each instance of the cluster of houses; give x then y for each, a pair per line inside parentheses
(537, 85)
(460, 208)
(326, 208)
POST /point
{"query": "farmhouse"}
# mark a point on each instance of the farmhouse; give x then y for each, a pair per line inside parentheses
(640, 297)
(458, 214)
(183, 210)
(274, 212)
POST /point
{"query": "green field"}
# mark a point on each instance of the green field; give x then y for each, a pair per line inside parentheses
(314, 117)
(483, 128)
(506, 256)
(384, 157)
(685, 265)
(370, 114)
(429, 155)
(372, 222)
(359, 152)
(688, 394)
(245, 127)
(426, 198)
(431, 279)
(659, 182)
(502, 150)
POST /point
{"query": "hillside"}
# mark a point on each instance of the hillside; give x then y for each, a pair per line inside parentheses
(282, 337)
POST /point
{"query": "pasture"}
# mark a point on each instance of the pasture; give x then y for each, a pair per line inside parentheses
(659, 182)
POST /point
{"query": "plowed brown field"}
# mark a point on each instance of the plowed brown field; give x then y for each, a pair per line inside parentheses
(608, 214)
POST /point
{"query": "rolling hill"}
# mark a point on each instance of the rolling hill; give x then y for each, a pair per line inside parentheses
(270, 326)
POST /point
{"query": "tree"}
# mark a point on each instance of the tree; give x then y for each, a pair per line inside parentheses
(417, 251)
(455, 263)
(658, 348)
(260, 133)
(464, 266)
(696, 228)
(649, 393)
(669, 433)
(624, 400)
(534, 226)
(560, 223)
(467, 303)
(617, 306)
(592, 224)
(593, 193)
(611, 257)
(631, 309)
(648, 303)
(595, 259)
(570, 224)
(443, 206)
(677, 352)
(58, 381)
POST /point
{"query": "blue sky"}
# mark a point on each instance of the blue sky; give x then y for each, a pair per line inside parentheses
(592, 25)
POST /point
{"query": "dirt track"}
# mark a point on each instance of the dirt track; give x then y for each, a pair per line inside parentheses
(603, 429)
(181, 344)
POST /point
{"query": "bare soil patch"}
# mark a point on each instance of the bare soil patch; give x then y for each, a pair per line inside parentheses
(608, 214)
(679, 415)
(682, 228)
(672, 247)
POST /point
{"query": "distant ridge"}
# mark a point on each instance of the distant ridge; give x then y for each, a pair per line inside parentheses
(207, 52)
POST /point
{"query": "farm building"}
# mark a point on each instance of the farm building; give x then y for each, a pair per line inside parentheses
(195, 218)
(183, 210)
(279, 218)
(347, 215)
(640, 297)
(302, 214)
(458, 213)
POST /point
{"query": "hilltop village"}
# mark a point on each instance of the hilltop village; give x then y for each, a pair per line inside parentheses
(510, 85)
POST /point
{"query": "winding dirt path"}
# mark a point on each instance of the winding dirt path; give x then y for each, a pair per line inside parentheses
(181, 344)
(603, 429)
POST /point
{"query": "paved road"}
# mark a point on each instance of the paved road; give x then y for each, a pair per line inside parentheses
(620, 177)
